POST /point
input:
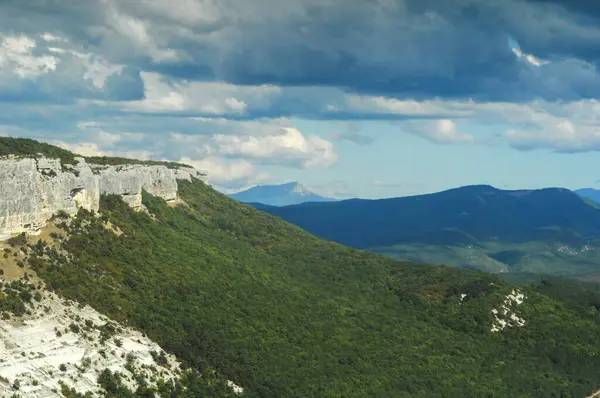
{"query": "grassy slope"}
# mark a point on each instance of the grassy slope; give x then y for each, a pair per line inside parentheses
(285, 314)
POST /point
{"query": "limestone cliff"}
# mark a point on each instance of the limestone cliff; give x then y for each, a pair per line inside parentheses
(32, 190)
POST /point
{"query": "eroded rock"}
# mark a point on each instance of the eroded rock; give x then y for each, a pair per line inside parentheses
(32, 190)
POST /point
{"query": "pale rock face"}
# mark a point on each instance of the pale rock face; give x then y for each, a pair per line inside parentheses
(31, 350)
(129, 181)
(29, 195)
(32, 190)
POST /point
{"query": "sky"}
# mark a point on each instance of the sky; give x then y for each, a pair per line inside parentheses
(368, 98)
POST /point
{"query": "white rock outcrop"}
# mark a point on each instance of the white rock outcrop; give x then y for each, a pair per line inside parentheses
(40, 350)
(32, 190)
(507, 315)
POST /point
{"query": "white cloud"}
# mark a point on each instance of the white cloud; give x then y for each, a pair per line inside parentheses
(228, 175)
(290, 146)
(211, 98)
(529, 58)
(265, 141)
(443, 131)
(392, 106)
(50, 37)
(17, 56)
(220, 170)
(561, 137)
(560, 126)
(97, 70)
(104, 138)
(96, 149)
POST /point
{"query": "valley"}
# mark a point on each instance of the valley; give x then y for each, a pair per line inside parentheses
(299, 199)
(242, 303)
(549, 231)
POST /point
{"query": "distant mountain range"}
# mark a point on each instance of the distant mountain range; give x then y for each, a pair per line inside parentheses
(279, 195)
(589, 193)
(550, 230)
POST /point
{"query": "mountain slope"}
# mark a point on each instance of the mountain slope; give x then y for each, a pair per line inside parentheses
(283, 313)
(482, 219)
(243, 298)
(279, 195)
(589, 193)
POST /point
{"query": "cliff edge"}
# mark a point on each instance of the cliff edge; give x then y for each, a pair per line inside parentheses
(32, 189)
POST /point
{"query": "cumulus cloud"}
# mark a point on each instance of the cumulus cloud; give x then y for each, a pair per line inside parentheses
(47, 68)
(290, 146)
(443, 131)
(17, 57)
(228, 175)
(205, 98)
(379, 105)
(561, 137)
(96, 149)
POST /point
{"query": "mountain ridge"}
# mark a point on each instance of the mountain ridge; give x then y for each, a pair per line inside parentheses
(479, 215)
(464, 206)
(254, 305)
(37, 180)
(279, 194)
(589, 193)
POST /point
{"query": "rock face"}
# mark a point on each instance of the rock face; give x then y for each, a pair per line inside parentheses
(38, 351)
(32, 190)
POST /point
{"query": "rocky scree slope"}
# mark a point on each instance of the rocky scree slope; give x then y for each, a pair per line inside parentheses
(58, 345)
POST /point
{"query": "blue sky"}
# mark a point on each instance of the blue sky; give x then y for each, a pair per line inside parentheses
(379, 98)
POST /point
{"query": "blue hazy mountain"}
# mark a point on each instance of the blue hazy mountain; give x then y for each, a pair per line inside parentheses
(551, 230)
(291, 193)
(589, 193)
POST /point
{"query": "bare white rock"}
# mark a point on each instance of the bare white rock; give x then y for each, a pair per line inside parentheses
(37, 357)
(508, 308)
(32, 190)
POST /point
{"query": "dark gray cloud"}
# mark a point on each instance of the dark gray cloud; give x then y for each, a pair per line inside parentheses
(406, 49)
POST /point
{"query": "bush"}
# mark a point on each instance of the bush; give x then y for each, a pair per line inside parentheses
(18, 240)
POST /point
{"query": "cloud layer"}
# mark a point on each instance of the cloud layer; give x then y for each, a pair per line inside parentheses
(402, 48)
(221, 84)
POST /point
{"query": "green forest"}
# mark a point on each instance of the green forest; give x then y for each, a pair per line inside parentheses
(282, 313)
(545, 231)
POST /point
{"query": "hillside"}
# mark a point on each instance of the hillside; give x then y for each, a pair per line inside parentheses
(279, 195)
(283, 313)
(242, 298)
(548, 231)
(589, 193)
